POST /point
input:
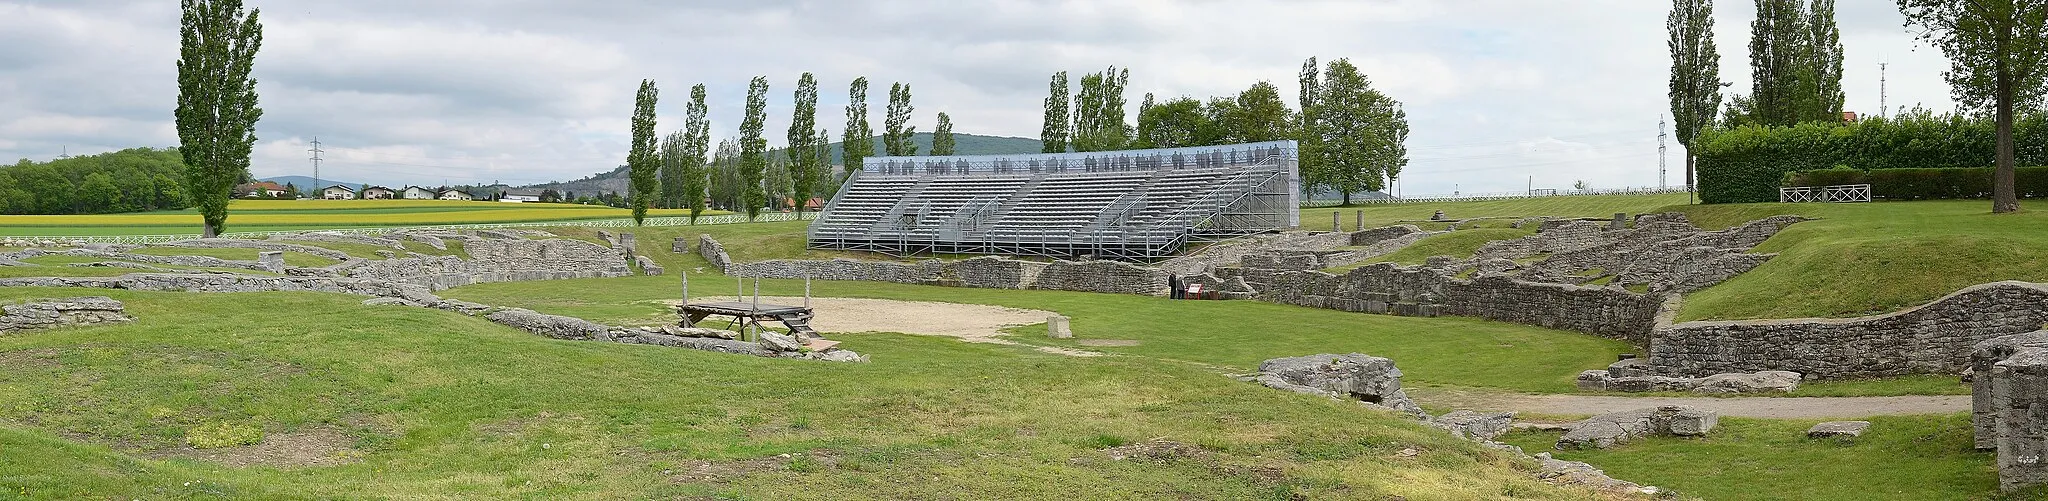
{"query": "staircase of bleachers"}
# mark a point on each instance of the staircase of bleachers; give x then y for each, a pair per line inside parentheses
(1137, 205)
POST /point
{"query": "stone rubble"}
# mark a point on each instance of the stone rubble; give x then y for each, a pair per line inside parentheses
(2009, 406)
(1838, 429)
(1353, 376)
(1614, 428)
(67, 312)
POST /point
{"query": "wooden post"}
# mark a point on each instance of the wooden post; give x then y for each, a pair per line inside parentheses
(1334, 221)
(807, 289)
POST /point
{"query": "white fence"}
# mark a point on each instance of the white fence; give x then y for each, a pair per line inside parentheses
(1505, 195)
(595, 223)
(1832, 194)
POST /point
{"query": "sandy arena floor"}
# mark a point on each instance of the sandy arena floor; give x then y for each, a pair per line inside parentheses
(974, 323)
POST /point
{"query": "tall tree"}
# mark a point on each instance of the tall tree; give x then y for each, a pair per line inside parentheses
(942, 136)
(753, 149)
(803, 130)
(1309, 129)
(1175, 123)
(896, 131)
(1998, 60)
(857, 142)
(674, 146)
(1260, 115)
(1824, 64)
(1364, 132)
(697, 132)
(1057, 128)
(1099, 111)
(1695, 73)
(1777, 55)
(641, 162)
(216, 113)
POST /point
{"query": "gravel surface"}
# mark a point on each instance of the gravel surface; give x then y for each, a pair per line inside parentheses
(974, 323)
(1755, 407)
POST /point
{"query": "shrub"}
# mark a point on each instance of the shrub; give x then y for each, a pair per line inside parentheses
(1748, 164)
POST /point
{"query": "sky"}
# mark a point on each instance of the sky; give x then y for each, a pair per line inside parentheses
(1501, 95)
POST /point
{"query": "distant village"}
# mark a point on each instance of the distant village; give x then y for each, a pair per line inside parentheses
(268, 190)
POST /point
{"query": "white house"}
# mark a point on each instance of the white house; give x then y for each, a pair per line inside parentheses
(520, 195)
(379, 193)
(418, 193)
(455, 195)
(338, 192)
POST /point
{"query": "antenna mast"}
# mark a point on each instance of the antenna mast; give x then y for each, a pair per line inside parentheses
(1662, 166)
(1881, 103)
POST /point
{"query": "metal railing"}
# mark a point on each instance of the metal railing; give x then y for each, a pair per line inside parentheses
(257, 235)
(1844, 193)
(1504, 195)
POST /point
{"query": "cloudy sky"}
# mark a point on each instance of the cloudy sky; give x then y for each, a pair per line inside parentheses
(524, 91)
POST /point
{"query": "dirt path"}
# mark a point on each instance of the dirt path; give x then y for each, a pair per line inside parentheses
(1754, 407)
(974, 323)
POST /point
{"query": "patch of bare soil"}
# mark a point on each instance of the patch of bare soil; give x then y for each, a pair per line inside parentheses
(299, 449)
(724, 471)
(38, 358)
(974, 323)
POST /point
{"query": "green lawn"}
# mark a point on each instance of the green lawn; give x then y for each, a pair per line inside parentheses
(430, 403)
(1862, 259)
(1235, 335)
(1904, 458)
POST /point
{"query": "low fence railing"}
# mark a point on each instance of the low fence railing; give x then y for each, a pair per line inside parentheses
(594, 223)
(1844, 193)
(1508, 195)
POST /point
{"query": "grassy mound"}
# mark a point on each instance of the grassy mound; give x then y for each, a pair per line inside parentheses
(1601, 206)
(417, 401)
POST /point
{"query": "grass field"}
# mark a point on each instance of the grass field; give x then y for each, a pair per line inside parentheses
(1601, 206)
(470, 409)
(1902, 458)
(285, 215)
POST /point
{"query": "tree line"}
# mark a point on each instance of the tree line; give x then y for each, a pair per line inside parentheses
(1353, 138)
(131, 180)
(683, 171)
(1997, 50)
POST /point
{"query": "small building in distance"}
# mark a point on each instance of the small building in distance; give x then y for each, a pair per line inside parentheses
(521, 195)
(418, 193)
(260, 189)
(338, 192)
(455, 195)
(379, 193)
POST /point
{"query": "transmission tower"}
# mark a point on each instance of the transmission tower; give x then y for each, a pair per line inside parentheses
(1661, 162)
(66, 155)
(316, 151)
(1882, 110)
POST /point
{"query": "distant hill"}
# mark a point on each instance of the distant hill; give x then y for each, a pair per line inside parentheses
(306, 182)
(963, 144)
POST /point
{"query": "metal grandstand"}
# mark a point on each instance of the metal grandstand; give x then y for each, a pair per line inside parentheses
(1134, 205)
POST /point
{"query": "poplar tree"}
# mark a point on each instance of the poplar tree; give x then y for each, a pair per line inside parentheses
(1099, 112)
(674, 146)
(1823, 53)
(802, 135)
(858, 140)
(641, 162)
(896, 132)
(1054, 134)
(1309, 129)
(753, 149)
(1998, 62)
(1695, 73)
(942, 136)
(216, 112)
(697, 134)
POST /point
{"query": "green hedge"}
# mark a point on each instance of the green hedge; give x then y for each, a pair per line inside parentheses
(1748, 164)
(1925, 184)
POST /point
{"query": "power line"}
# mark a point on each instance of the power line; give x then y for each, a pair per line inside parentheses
(316, 167)
(1661, 166)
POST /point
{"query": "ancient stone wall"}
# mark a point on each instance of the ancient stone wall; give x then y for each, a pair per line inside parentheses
(497, 260)
(1385, 288)
(714, 253)
(990, 272)
(2009, 406)
(840, 269)
(1110, 277)
(1231, 253)
(1935, 338)
(53, 313)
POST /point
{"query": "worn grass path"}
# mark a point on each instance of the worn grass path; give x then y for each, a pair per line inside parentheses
(1751, 407)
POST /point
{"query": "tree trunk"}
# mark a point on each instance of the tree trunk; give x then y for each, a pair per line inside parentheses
(2004, 198)
(1688, 170)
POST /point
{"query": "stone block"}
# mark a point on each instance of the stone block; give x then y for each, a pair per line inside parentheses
(1358, 376)
(648, 266)
(1832, 429)
(1592, 380)
(271, 261)
(1474, 425)
(680, 246)
(1750, 382)
(1614, 428)
(1056, 327)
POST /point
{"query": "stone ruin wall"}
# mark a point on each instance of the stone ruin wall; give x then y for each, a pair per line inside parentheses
(2009, 406)
(1935, 338)
(1386, 288)
(53, 313)
(497, 260)
(1112, 277)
